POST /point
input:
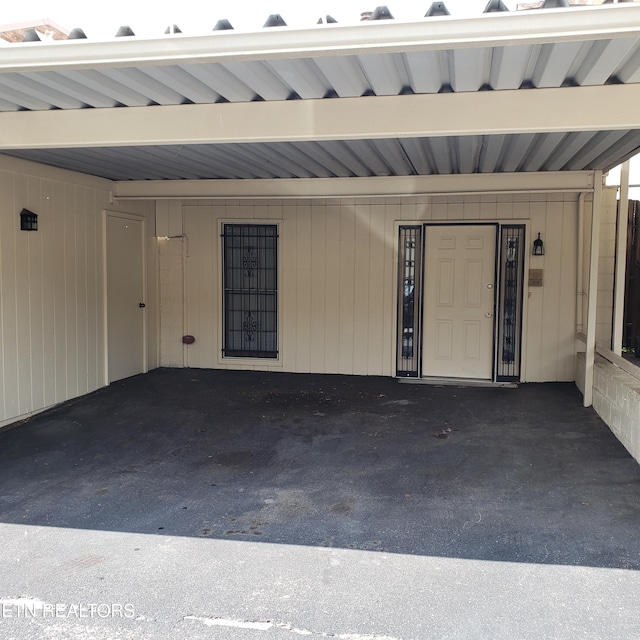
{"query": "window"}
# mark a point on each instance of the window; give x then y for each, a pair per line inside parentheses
(510, 302)
(250, 265)
(409, 286)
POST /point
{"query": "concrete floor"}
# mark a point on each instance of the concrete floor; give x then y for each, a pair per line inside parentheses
(251, 505)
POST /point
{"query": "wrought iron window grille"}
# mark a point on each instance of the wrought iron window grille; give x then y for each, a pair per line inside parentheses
(250, 272)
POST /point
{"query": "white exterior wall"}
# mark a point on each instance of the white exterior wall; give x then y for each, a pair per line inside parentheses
(52, 285)
(338, 279)
(606, 266)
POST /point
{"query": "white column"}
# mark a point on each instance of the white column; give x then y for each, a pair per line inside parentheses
(593, 290)
(621, 261)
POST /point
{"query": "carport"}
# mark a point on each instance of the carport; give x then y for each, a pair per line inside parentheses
(251, 221)
(344, 168)
(351, 159)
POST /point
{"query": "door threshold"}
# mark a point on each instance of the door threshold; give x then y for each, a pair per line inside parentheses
(459, 382)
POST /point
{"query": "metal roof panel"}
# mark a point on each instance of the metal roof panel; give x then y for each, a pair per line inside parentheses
(494, 52)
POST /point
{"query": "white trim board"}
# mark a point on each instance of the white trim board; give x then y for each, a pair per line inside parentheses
(546, 182)
(492, 29)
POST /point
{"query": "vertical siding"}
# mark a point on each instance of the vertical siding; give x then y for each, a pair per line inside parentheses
(331, 275)
(48, 254)
(362, 321)
(346, 288)
(152, 270)
(51, 280)
(390, 278)
(551, 309)
(606, 269)
(202, 249)
(377, 285)
(551, 291)
(606, 266)
(303, 286)
(93, 300)
(58, 260)
(170, 255)
(288, 289)
(318, 291)
(338, 272)
(567, 308)
(8, 298)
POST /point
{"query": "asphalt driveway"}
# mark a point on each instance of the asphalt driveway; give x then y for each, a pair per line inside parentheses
(250, 505)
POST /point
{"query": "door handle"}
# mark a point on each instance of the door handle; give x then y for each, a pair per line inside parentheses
(142, 305)
(488, 314)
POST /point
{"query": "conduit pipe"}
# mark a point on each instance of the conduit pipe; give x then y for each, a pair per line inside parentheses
(580, 283)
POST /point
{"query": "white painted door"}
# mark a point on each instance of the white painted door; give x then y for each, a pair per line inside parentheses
(459, 301)
(126, 318)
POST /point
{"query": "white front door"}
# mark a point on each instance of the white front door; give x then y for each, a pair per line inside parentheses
(459, 297)
(126, 335)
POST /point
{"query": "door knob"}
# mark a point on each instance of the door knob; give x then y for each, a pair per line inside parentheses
(489, 286)
(142, 305)
(488, 314)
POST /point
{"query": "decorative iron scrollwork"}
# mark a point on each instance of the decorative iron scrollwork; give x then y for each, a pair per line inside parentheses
(509, 327)
(249, 326)
(249, 261)
(408, 300)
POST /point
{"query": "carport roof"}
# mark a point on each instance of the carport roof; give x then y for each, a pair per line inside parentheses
(547, 90)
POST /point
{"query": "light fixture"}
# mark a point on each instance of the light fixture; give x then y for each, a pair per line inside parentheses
(28, 220)
(538, 247)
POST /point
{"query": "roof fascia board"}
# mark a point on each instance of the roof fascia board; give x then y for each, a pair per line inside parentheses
(490, 30)
(552, 181)
(405, 116)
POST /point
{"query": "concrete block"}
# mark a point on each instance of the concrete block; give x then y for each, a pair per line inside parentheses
(602, 406)
(615, 426)
(634, 441)
(630, 400)
(599, 378)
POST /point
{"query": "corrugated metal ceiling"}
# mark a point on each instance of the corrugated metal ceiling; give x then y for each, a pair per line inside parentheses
(355, 158)
(575, 62)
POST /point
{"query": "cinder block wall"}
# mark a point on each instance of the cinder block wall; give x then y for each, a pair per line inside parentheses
(616, 398)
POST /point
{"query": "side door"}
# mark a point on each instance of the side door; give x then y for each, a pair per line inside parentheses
(125, 303)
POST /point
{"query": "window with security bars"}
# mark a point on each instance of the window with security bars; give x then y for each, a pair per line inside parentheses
(250, 265)
(509, 336)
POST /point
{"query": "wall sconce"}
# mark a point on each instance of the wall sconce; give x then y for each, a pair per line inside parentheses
(28, 220)
(538, 247)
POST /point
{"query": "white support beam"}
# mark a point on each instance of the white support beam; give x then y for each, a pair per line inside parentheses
(576, 182)
(406, 116)
(621, 261)
(493, 29)
(592, 308)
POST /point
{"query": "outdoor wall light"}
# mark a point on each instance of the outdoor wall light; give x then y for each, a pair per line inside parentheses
(28, 220)
(538, 247)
